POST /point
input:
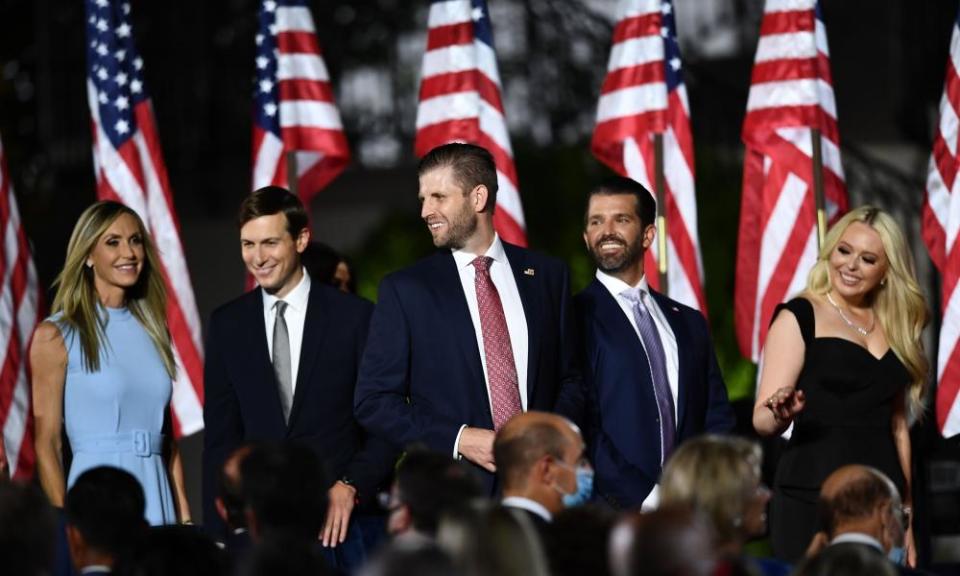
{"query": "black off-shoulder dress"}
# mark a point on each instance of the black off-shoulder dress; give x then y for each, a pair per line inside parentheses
(850, 397)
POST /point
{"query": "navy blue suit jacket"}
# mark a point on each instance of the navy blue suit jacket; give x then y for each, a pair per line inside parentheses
(621, 427)
(422, 379)
(241, 403)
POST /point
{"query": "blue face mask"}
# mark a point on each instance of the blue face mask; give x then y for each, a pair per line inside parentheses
(584, 488)
(897, 555)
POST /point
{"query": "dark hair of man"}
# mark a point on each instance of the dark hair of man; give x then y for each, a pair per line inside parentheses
(472, 166)
(285, 487)
(578, 542)
(855, 500)
(271, 200)
(27, 529)
(846, 559)
(616, 185)
(180, 550)
(516, 453)
(431, 483)
(106, 505)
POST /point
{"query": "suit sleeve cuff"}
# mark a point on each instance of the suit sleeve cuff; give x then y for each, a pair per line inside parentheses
(456, 443)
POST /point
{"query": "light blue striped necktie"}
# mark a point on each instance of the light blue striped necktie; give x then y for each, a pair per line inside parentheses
(657, 359)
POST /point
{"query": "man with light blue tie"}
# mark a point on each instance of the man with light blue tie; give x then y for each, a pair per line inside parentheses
(651, 378)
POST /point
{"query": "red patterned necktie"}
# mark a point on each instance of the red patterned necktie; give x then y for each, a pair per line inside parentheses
(501, 368)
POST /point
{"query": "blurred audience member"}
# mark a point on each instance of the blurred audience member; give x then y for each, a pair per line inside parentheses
(719, 477)
(27, 530)
(578, 541)
(427, 484)
(860, 506)
(105, 519)
(487, 540)
(329, 266)
(284, 490)
(541, 466)
(670, 541)
(427, 560)
(276, 555)
(845, 560)
(230, 504)
(179, 551)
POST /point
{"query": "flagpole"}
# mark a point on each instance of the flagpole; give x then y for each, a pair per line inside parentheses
(818, 186)
(293, 182)
(660, 185)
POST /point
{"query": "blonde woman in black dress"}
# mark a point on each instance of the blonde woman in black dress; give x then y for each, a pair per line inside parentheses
(844, 364)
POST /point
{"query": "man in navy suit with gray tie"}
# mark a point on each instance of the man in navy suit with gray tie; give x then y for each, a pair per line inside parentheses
(478, 332)
(650, 374)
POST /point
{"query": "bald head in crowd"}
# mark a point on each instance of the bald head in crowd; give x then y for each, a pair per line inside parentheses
(861, 500)
(537, 455)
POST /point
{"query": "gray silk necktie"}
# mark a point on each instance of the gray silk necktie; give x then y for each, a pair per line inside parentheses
(657, 359)
(281, 360)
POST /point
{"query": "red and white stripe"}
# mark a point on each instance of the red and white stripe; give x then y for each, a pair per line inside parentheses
(791, 94)
(135, 175)
(941, 221)
(309, 119)
(19, 314)
(460, 100)
(635, 104)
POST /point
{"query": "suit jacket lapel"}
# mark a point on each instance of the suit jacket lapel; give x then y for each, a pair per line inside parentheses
(531, 298)
(672, 313)
(257, 353)
(314, 331)
(448, 291)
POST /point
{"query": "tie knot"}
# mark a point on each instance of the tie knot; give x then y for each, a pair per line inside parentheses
(482, 263)
(281, 307)
(635, 295)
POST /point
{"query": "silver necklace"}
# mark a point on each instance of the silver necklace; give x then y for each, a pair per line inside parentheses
(862, 331)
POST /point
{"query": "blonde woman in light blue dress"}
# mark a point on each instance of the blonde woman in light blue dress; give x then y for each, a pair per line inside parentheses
(103, 365)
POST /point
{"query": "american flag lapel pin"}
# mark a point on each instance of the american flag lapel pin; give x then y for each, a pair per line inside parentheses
(529, 272)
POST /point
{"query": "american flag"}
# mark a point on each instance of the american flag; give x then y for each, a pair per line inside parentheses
(460, 100)
(643, 95)
(19, 314)
(791, 94)
(294, 109)
(941, 220)
(129, 168)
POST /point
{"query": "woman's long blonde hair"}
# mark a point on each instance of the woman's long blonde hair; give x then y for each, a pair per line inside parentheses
(898, 303)
(77, 299)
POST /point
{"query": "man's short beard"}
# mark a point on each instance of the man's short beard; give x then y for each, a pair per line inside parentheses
(614, 264)
(461, 229)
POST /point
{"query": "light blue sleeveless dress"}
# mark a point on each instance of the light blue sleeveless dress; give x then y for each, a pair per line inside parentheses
(114, 417)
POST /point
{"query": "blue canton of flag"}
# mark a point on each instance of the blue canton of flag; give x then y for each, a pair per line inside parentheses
(116, 69)
(482, 29)
(671, 48)
(266, 92)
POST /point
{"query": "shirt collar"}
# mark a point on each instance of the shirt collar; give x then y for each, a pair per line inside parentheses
(495, 251)
(617, 287)
(528, 505)
(857, 538)
(296, 298)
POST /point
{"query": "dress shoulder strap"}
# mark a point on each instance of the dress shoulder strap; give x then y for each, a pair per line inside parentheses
(803, 310)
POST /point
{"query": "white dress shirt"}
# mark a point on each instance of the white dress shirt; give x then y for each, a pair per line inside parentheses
(502, 276)
(529, 505)
(617, 289)
(858, 538)
(295, 315)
